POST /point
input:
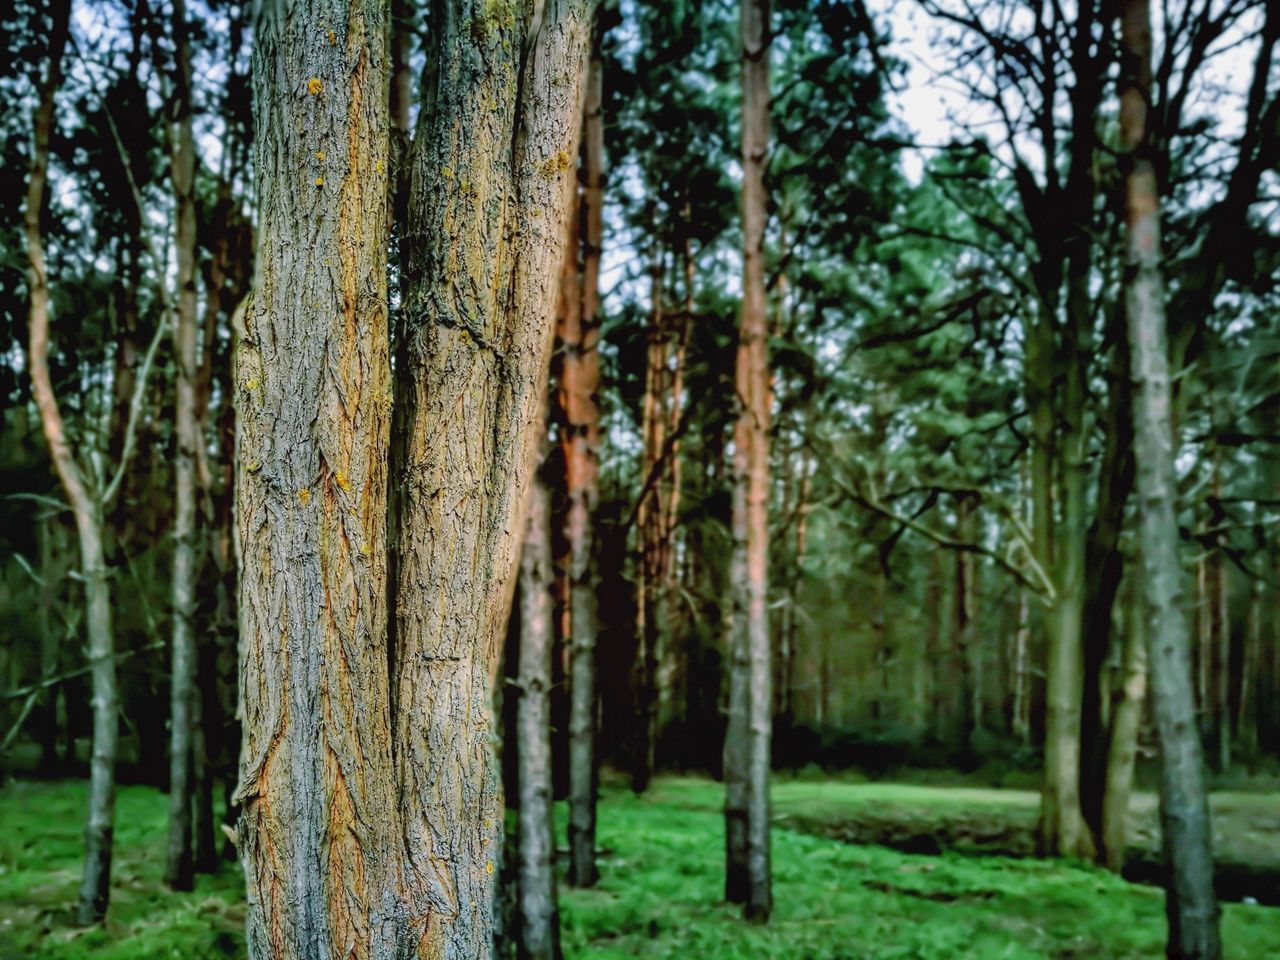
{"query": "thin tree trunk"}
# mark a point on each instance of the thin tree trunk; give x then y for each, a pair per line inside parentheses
(961, 659)
(1104, 566)
(490, 175)
(1221, 619)
(1202, 646)
(735, 759)
(1247, 716)
(317, 835)
(204, 846)
(582, 375)
(754, 389)
(1022, 673)
(1126, 722)
(180, 864)
(95, 885)
(1190, 905)
(650, 518)
(539, 928)
(1062, 829)
(50, 574)
(791, 627)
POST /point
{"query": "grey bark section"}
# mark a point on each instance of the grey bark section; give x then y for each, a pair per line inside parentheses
(179, 871)
(1190, 905)
(539, 929)
(317, 834)
(489, 175)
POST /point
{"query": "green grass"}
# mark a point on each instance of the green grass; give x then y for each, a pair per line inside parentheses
(41, 847)
(659, 895)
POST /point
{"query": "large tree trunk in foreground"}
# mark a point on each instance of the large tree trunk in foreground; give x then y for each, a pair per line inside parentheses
(86, 507)
(179, 871)
(347, 850)
(489, 188)
(317, 834)
(755, 392)
(539, 929)
(1190, 905)
(582, 463)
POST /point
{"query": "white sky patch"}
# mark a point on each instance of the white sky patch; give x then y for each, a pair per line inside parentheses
(934, 104)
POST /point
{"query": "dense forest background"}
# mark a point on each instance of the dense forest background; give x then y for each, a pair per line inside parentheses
(950, 590)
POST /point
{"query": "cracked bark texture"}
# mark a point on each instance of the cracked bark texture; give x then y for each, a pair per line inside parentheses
(490, 170)
(312, 384)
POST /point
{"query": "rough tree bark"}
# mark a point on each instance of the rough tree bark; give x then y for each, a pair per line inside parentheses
(312, 382)
(86, 506)
(490, 170)
(179, 871)
(539, 927)
(582, 458)
(1190, 905)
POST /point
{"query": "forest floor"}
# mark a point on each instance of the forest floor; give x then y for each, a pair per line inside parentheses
(660, 889)
(981, 820)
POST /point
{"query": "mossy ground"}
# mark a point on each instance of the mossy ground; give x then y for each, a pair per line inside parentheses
(659, 895)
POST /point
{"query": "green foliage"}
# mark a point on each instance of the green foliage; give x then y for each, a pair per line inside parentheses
(660, 891)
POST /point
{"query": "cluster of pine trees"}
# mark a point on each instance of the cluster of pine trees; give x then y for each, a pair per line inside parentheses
(393, 387)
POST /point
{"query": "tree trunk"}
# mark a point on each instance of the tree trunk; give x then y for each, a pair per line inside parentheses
(755, 391)
(1190, 905)
(1104, 566)
(179, 871)
(791, 620)
(1220, 618)
(371, 807)
(1126, 722)
(1021, 720)
(204, 844)
(1247, 715)
(735, 758)
(650, 521)
(317, 836)
(50, 644)
(539, 928)
(582, 459)
(95, 884)
(490, 171)
(1062, 829)
(962, 653)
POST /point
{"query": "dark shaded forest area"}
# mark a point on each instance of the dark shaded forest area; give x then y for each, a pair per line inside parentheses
(594, 478)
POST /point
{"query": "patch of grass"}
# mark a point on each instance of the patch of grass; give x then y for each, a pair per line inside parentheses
(41, 851)
(660, 894)
(661, 888)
